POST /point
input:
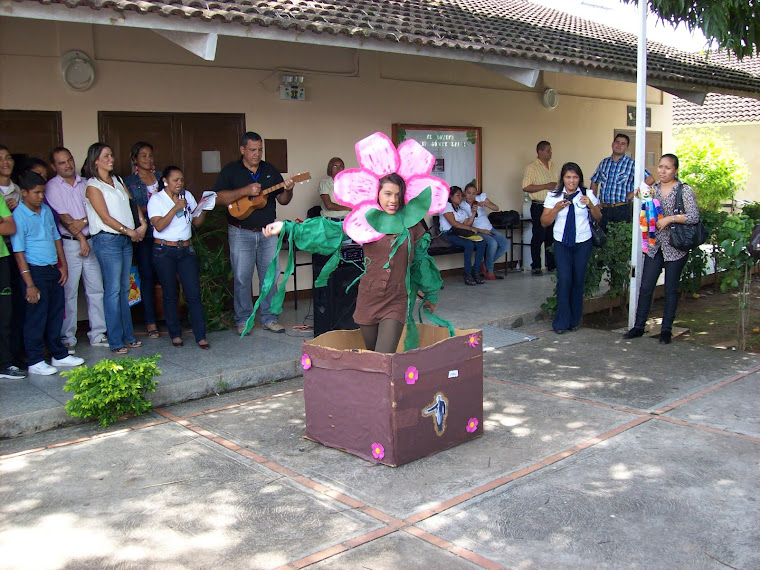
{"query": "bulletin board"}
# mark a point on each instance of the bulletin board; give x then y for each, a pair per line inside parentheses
(457, 150)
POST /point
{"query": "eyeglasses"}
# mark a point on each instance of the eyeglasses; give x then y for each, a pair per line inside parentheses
(337, 166)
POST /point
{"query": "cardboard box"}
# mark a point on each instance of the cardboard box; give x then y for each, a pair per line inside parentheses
(394, 408)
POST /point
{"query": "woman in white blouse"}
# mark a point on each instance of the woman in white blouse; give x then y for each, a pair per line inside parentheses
(112, 228)
(568, 209)
(171, 213)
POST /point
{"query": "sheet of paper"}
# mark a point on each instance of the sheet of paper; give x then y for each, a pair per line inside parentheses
(207, 202)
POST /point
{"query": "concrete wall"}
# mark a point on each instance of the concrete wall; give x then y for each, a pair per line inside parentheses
(350, 94)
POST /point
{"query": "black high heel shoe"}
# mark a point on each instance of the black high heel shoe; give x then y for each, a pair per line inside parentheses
(666, 337)
(477, 278)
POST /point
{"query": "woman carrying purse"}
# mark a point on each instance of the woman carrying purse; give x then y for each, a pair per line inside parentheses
(663, 254)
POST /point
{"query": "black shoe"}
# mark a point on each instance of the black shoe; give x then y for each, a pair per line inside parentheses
(634, 333)
(469, 281)
(498, 276)
(12, 373)
(559, 331)
(665, 337)
(536, 272)
(573, 329)
(478, 278)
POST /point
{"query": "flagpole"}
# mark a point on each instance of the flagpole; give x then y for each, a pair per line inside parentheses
(641, 141)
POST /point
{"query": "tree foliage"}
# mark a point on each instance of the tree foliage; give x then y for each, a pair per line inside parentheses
(733, 24)
(710, 164)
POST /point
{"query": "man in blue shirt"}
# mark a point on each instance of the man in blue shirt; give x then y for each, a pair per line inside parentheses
(37, 249)
(616, 176)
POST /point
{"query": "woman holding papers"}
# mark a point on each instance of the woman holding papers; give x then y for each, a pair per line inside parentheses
(171, 211)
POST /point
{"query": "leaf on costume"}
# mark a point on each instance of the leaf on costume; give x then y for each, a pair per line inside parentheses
(384, 223)
(417, 208)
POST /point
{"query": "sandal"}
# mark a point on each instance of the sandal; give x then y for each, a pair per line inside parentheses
(204, 344)
(177, 342)
(468, 280)
(136, 344)
(153, 333)
(122, 350)
(477, 278)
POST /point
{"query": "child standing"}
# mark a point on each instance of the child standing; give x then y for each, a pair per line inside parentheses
(37, 249)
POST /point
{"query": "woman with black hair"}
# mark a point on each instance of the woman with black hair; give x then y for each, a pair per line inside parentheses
(662, 254)
(568, 208)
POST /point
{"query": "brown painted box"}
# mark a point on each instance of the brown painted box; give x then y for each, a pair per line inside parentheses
(394, 408)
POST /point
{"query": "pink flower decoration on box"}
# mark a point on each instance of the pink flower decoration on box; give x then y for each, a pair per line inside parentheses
(411, 375)
(473, 340)
(472, 425)
(378, 451)
(306, 361)
(357, 187)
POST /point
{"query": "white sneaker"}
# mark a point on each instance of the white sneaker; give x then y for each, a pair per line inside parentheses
(102, 340)
(68, 361)
(43, 368)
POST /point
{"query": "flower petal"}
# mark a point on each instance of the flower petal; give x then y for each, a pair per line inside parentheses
(439, 188)
(415, 159)
(377, 153)
(356, 225)
(354, 186)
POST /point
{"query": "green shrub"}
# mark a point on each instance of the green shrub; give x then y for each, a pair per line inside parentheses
(111, 388)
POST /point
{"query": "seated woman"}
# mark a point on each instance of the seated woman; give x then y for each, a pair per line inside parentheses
(142, 184)
(113, 231)
(170, 212)
(662, 254)
(330, 209)
(496, 244)
(568, 209)
(456, 223)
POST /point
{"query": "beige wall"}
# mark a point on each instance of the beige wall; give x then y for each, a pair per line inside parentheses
(349, 95)
(744, 138)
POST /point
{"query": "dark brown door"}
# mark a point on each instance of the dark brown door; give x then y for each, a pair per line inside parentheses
(35, 133)
(178, 139)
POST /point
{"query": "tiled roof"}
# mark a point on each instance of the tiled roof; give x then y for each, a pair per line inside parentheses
(721, 108)
(514, 32)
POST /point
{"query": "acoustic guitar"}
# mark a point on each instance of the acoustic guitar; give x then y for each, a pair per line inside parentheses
(244, 207)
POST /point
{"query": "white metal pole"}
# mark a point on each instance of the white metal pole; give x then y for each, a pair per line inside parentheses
(641, 141)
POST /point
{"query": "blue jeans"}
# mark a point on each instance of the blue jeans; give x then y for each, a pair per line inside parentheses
(114, 253)
(169, 262)
(496, 246)
(44, 319)
(249, 249)
(144, 255)
(649, 276)
(571, 278)
(479, 247)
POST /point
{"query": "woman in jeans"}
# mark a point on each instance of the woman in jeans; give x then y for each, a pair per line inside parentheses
(568, 208)
(170, 212)
(113, 230)
(142, 184)
(662, 254)
(457, 215)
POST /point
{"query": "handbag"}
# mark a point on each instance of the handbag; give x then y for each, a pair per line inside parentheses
(598, 237)
(686, 236)
(462, 233)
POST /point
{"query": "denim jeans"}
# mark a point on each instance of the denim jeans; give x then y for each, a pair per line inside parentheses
(148, 273)
(479, 247)
(649, 276)
(571, 278)
(169, 262)
(114, 253)
(88, 269)
(249, 249)
(496, 246)
(44, 318)
(541, 236)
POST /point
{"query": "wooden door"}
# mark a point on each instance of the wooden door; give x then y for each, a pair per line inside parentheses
(653, 149)
(178, 139)
(35, 133)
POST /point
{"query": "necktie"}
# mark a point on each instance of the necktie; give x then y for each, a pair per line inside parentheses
(568, 237)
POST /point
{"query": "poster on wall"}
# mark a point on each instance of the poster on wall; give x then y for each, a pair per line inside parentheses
(457, 150)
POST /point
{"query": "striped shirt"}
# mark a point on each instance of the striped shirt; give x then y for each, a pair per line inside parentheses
(615, 179)
(537, 173)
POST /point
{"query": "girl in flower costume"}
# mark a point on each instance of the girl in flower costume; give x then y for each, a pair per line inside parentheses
(389, 194)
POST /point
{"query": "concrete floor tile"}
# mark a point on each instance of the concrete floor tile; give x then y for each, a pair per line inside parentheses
(159, 497)
(657, 496)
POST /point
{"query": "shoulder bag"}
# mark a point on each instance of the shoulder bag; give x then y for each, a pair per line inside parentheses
(598, 236)
(686, 236)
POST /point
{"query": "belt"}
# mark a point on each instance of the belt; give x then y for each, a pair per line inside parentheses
(615, 205)
(183, 243)
(72, 237)
(242, 227)
(537, 202)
